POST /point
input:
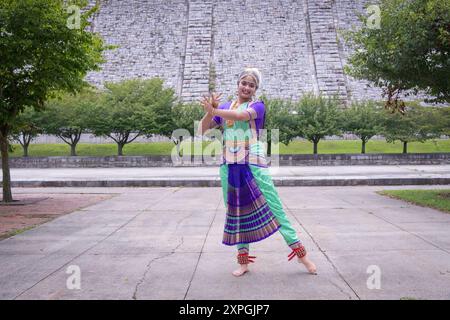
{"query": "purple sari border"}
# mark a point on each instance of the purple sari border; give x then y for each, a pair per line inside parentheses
(242, 242)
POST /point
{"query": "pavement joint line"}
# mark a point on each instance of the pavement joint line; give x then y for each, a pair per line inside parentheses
(142, 254)
(218, 251)
(380, 251)
(149, 267)
(406, 231)
(326, 256)
(338, 287)
(397, 226)
(201, 250)
(80, 254)
(184, 218)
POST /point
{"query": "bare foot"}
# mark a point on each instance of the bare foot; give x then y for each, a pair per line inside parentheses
(308, 264)
(239, 272)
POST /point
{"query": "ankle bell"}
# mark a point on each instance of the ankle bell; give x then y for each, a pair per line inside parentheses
(244, 258)
(299, 252)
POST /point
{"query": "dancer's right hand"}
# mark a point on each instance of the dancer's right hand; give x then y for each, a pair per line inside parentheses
(206, 103)
(215, 100)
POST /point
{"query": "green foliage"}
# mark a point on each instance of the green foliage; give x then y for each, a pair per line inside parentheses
(67, 116)
(185, 115)
(409, 52)
(363, 119)
(133, 108)
(444, 120)
(317, 117)
(162, 102)
(27, 126)
(417, 124)
(280, 115)
(39, 54)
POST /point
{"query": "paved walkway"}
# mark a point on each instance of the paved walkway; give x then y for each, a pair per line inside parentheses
(165, 243)
(209, 176)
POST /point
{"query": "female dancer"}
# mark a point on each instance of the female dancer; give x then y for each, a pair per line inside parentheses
(254, 210)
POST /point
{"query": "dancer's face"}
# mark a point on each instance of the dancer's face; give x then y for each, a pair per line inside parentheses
(246, 88)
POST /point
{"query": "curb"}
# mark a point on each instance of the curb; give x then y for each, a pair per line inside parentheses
(216, 182)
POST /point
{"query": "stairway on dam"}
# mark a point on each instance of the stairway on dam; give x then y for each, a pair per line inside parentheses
(201, 45)
(196, 64)
(327, 60)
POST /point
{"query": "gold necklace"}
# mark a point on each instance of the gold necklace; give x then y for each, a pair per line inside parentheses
(234, 106)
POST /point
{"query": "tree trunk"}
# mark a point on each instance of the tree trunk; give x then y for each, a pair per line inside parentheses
(7, 195)
(405, 146)
(73, 151)
(120, 148)
(363, 149)
(25, 150)
(26, 143)
(315, 147)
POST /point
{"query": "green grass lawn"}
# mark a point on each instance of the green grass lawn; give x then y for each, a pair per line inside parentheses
(295, 147)
(437, 199)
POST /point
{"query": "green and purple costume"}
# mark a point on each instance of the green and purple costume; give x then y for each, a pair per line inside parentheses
(253, 207)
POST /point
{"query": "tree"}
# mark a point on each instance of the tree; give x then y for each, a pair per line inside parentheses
(317, 117)
(161, 104)
(133, 108)
(40, 54)
(416, 124)
(183, 117)
(27, 127)
(280, 114)
(68, 116)
(363, 119)
(444, 120)
(410, 50)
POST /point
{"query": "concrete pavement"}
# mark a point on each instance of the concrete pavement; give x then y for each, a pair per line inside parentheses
(165, 243)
